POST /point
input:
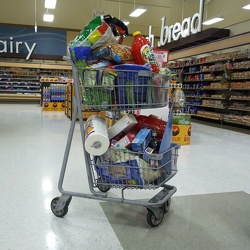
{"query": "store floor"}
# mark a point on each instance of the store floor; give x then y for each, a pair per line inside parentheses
(210, 210)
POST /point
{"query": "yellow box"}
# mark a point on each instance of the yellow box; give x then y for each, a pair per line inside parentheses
(181, 134)
(53, 106)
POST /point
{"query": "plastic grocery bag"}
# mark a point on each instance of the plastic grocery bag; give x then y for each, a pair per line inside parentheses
(97, 33)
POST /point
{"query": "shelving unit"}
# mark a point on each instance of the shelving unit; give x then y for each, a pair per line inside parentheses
(21, 81)
(217, 87)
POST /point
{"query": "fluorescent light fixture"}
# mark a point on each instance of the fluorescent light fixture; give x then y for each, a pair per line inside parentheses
(213, 20)
(48, 17)
(126, 22)
(50, 4)
(246, 7)
(138, 11)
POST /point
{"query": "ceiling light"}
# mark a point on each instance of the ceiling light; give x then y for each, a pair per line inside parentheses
(246, 7)
(213, 20)
(138, 11)
(126, 22)
(50, 4)
(48, 17)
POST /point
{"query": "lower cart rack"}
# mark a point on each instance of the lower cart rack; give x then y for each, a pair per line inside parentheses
(119, 169)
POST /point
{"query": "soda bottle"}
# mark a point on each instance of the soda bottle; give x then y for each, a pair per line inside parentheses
(143, 52)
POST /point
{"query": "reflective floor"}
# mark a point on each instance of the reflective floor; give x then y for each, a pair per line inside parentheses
(210, 209)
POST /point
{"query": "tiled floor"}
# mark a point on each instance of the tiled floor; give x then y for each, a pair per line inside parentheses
(213, 185)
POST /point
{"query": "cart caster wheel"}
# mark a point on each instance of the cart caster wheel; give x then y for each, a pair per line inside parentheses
(152, 220)
(60, 213)
(102, 186)
(165, 207)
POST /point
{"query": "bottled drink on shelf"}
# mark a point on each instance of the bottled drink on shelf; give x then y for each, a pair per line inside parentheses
(143, 52)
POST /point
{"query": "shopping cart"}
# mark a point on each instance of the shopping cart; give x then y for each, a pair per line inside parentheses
(120, 168)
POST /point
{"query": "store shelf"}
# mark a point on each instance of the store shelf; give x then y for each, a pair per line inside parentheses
(18, 81)
(239, 99)
(207, 117)
(223, 89)
(240, 79)
(213, 98)
(245, 110)
(235, 122)
(214, 107)
(196, 97)
(192, 88)
(20, 97)
(202, 80)
(196, 105)
(239, 89)
(204, 72)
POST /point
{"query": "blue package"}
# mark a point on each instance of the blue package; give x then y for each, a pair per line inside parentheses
(141, 140)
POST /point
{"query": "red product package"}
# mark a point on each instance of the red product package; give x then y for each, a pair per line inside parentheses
(151, 122)
(125, 141)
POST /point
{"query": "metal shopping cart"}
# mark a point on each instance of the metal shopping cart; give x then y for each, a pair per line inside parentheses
(120, 168)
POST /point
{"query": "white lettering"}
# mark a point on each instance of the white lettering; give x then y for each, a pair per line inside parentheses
(4, 50)
(185, 27)
(30, 50)
(14, 47)
(189, 25)
(17, 46)
(193, 29)
(164, 29)
(170, 28)
(176, 31)
(151, 37)
(11, 44)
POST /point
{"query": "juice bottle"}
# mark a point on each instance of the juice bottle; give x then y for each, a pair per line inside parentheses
(143, 52)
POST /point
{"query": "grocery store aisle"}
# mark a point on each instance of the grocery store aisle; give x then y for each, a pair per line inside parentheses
(209, 211)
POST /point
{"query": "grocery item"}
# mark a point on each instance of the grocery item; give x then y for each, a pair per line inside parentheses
(96, 135)
(154, 141)
(141, 140)
(125, 141)
(113, 52)
(125, 124)
(143, 52)
(151, 122)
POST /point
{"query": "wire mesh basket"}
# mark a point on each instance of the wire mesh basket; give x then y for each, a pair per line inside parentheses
(109, 89)
(123, 168)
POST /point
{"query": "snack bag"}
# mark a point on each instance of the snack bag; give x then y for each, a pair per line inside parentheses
(97, 32)
(113, 52)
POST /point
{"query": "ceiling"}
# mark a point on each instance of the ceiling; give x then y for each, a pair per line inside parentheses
(75, 14)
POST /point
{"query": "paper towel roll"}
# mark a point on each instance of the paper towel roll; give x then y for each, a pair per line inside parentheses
(96, 135)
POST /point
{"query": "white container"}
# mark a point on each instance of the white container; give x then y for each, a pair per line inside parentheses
(96, 135)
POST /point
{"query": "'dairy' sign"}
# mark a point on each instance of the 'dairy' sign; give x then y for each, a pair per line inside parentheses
(23, 40)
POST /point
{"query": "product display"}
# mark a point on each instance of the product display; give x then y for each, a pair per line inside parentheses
(212, 85)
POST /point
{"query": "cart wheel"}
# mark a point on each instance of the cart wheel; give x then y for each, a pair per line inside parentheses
(165, 207)
(59, 213)
(151, 219)
(102, 186)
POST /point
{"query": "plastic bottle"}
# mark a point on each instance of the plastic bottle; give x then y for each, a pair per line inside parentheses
(179, 98)
(143, 52)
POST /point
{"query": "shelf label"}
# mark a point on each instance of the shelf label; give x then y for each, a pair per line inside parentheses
(176, 31)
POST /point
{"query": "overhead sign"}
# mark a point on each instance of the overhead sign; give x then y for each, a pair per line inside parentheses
(24, 41)
(9, 46)
(189, 26)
